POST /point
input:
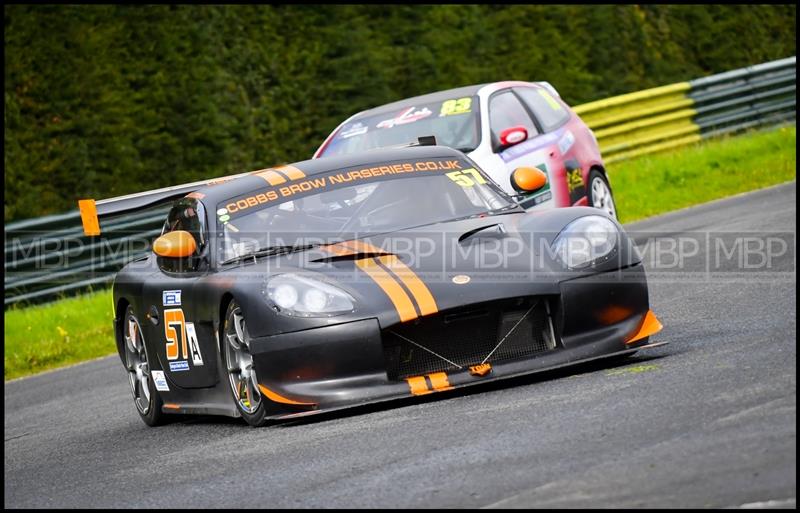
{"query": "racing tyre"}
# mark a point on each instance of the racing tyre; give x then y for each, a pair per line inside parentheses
(600, 193)
(239, 364)
(146, 399)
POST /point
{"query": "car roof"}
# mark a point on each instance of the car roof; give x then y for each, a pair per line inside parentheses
(438, 96)
(226, 189)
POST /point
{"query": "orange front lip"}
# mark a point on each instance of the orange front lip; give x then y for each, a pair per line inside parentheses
(650, 326)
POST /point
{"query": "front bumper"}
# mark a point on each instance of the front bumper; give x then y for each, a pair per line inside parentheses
(346, 364)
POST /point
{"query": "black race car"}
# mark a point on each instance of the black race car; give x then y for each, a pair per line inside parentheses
(349, 280)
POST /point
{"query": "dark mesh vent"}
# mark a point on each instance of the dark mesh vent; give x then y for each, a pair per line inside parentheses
(466, 336)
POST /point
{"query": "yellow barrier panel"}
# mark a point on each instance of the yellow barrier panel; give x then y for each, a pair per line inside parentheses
(638, 111)
(686, 128)
(647, 134)
(614, 101)
(667, 145)
(643, 123)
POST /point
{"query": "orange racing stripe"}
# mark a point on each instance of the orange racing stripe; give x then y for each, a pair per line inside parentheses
(418, 385)
(292, 172)
(339, 249)
(365, 247)
(439, 381)
(402, 303)
(270, 176)
(422, 295)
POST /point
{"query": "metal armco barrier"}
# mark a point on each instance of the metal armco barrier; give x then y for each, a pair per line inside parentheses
(670, 116)
(48, 257)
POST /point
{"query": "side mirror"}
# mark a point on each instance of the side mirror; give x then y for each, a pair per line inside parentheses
(528, 179)
(177, 244)
(513, 135)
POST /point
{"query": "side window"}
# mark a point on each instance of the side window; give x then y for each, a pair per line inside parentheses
(548, 110)
(188, 214)
(505, 111)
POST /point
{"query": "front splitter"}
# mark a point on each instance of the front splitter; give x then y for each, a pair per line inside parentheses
(487, 379)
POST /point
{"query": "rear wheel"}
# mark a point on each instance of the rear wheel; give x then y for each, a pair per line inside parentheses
(147, 401)
(239, 364)
(600, 193)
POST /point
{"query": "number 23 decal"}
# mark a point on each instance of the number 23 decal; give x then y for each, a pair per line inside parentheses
(181, 337)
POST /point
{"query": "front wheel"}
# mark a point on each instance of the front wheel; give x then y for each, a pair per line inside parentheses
(600, 193)
(148, 402)
(239, 364)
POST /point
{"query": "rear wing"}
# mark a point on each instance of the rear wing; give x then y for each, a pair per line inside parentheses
(93, 211)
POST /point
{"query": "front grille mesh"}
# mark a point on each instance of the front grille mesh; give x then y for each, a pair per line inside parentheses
(466, 336)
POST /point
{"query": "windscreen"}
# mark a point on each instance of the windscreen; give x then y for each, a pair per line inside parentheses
(454, 122)
(352, 202)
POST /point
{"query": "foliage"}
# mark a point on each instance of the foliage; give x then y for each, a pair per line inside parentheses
(111, 99)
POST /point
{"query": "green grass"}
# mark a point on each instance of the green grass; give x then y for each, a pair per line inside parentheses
(77, 329)
(712, 169)
(56, 334)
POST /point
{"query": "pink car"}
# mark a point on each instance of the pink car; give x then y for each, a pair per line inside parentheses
(501, 126)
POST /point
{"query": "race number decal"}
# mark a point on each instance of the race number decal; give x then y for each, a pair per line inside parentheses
(460, 106)
(463, 179)
(181, 340)
(194, 346)
(175, 332)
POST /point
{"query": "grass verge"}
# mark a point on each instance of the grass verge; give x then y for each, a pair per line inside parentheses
(72, 330)
(659, 183)
(55, 334)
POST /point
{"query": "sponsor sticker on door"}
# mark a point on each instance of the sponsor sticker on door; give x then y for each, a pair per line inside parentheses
(160, 380)
(181, 365)
(171, 298)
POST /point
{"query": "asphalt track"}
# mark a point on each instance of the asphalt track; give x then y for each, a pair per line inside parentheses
(707, 421)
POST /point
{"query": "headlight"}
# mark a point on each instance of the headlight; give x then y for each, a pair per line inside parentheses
(585, 241)
(294, 294)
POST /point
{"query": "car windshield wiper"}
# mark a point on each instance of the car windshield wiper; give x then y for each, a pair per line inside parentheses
(271, 251)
